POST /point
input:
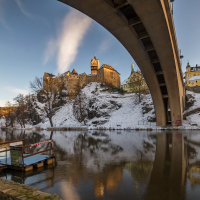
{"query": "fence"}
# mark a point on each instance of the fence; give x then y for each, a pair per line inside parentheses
(5, 147)
(18, 146)
(146, 122)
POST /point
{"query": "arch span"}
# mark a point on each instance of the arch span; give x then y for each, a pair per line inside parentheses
(146, 29)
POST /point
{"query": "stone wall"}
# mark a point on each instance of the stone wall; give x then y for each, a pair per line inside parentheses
(92, 78)
(100, 76)
(111, 77)
(75, 82)
(10, 190)
(72, 87)
(194, 89)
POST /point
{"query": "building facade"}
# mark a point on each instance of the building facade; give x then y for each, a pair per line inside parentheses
(73, 81)
(134, 82)
(192, 75)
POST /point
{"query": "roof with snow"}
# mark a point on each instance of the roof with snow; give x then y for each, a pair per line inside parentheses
(125, 82)
(194, 78)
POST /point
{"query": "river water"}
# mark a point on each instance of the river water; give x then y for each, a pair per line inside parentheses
(116, 164)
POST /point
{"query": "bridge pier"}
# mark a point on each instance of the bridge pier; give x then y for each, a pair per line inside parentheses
(146, 29)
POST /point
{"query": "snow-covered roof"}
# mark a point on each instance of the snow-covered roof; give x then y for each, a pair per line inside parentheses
(194, 78)
(125, 82)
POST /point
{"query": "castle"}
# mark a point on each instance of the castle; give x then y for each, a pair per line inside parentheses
(73, 81)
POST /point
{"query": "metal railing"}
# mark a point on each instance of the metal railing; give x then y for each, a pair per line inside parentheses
(36, 144)
(14, 143)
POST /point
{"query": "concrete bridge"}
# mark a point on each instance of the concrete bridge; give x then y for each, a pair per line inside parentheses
(146, 29)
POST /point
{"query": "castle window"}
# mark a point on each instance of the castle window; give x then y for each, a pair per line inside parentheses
(194, 74)
(188, 75)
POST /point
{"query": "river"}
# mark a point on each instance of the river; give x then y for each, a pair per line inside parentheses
(116, 165)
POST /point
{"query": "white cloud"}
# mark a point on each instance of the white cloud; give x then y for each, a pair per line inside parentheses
(28, 14)
(16, 90)
(105, 44)
(74, 27)
(50, 51)
(21, 7)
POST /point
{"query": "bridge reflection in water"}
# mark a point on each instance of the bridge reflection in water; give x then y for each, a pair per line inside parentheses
(169, 168)
(116, 165)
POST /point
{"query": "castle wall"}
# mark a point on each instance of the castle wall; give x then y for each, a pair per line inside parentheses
(83, 80)
(100, 75)
(75, 82)
(91, 79)
(111, 77)
(52, 84)
(72, 87)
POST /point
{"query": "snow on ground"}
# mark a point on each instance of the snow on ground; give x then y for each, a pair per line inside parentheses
(112, 110)
(197, 100)
(63, 117)
(194, 118)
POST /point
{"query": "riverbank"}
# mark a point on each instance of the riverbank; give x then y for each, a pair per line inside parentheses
(111, 111)
(10, 190)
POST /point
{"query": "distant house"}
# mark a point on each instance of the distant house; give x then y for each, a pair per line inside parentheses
(134, 82)
(192, 75)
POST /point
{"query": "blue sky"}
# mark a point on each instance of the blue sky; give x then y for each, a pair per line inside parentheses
(47, 35)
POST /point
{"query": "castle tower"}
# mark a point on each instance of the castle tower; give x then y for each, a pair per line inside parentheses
(94, 65)
(132, 68)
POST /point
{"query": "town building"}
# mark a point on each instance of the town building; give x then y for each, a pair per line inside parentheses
(73, 81)
(134, 82)
(192, 75)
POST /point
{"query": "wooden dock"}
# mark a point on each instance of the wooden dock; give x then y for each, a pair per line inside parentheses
(12, 156)
(2, 167)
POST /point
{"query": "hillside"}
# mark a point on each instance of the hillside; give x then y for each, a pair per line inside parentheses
(104, 109)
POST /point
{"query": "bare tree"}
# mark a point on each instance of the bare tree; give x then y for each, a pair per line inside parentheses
(21, 104)
(137, 82)
(48, 95)
(10, 115)
(79, 106)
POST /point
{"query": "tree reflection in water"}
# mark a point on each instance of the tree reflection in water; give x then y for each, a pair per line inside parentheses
(157, 163)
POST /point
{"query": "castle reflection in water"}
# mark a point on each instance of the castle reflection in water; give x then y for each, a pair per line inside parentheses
(116, 165)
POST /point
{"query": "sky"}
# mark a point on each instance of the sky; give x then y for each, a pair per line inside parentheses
(49, 36)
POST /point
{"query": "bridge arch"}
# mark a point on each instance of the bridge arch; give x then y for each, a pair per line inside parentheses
(146, 29)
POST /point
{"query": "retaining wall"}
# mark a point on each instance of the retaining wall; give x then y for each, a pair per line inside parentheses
(10, 190)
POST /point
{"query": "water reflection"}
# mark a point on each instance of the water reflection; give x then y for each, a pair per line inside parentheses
(169, 168)
(113, 165)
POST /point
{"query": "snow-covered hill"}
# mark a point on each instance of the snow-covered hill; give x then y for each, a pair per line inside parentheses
(105, 109)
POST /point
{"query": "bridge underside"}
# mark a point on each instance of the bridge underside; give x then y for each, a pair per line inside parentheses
(146, 29)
